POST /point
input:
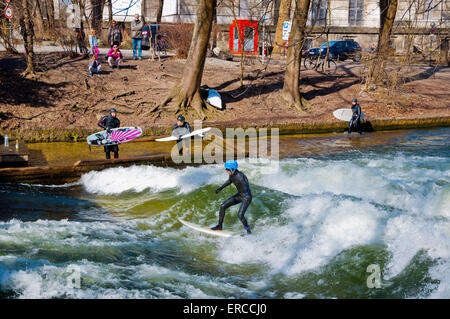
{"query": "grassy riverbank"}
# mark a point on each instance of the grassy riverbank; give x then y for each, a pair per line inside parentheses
(79, 134)
(64, 104)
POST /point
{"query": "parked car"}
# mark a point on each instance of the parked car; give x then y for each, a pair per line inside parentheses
(340, 49)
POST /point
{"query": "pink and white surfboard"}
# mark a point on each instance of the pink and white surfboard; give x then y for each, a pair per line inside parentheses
(117, 136)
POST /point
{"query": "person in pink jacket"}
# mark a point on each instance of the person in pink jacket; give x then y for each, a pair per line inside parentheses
(114, 57)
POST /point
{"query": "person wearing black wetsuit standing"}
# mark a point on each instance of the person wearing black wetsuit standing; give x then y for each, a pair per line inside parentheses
(356, 117)
(109, 122)
(179, 129)
(243, 195)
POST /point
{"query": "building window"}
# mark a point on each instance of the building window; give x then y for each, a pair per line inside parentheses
(355, 12)
(319, 12)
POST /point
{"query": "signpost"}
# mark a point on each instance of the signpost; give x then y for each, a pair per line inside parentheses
(9, 14)
(285, 35)
(286, 30)
(263, 38)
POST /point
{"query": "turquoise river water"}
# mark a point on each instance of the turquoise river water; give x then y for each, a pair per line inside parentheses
(319, 222)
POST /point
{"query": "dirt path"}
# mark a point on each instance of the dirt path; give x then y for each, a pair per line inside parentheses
(65, 97)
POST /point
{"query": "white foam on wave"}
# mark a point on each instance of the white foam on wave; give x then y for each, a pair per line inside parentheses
(318, 230)
(139, 178)
(48, 281)
(407, 235)
(342, 206)
(33, 277)
(388, 181)
(192, 285)
(106, 281)
(67, 233)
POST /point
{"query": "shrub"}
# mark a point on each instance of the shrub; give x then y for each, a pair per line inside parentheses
(178, 37)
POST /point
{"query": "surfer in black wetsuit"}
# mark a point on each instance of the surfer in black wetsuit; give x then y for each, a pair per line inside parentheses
(243, 196)
(356, 117)
(179, 129)
(109, 122)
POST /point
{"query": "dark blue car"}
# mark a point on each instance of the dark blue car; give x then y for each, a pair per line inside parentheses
(340, 49)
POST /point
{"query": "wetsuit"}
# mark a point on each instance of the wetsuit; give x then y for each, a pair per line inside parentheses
(109, 122)
(179, 131)
(356, 118)
(243, 196)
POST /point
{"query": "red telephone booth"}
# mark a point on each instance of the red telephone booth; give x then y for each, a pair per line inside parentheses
(248, 30)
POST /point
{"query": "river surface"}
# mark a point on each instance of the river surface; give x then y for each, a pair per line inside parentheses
(326, 216)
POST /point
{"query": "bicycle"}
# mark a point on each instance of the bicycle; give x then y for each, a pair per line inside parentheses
(316, 62)
(161, 44)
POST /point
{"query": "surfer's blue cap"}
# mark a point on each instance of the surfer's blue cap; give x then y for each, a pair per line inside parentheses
(231, 165)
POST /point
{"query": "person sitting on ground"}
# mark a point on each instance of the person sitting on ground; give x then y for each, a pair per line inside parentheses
(114, 57)
(356, 117)
(109, 122)
(114, 34)
(179, 129)
(94, 66)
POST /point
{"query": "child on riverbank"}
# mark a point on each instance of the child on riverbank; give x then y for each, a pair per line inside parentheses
(93, 43)
(94, 66)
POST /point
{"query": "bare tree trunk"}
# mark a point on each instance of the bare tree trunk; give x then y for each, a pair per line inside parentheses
(143, 18)
(283, 15)
(159, 11)
(388, 10)
(214, 29)
(40, 18)
(82, 5)
(110, 11)
(444, 51)
(291, 91)
(51, 15)
(29, 38)
(276, 11)
(187, 92)
(96, 16)
(5, 37)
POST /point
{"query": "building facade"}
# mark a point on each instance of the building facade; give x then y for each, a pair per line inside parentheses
(416, 20)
